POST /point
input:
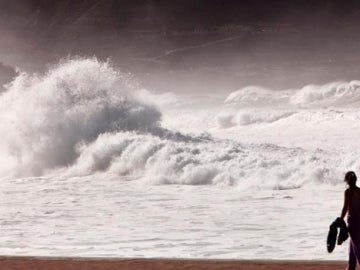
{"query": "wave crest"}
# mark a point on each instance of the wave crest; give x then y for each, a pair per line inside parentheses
(339, 94)
(46, 116)
(219, 162)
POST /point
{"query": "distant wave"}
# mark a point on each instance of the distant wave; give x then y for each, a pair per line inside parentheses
(338, 94)
(256, 105)
(248, 117)
(257, 96)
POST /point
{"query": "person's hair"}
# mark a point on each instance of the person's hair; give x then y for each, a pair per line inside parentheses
(351, 178)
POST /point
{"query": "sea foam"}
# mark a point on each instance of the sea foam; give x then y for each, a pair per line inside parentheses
(340, 94)
(85, 116)
(46, 117)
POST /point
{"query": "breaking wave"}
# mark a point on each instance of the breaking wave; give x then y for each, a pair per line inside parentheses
(45, 117)
(85, 116)
(221, 162)
(337, 94)
(248, 117)
(258, 105)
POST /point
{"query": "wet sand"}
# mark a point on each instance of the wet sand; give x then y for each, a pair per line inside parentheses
(51, 263)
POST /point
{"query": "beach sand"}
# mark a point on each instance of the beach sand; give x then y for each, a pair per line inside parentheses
(49, 263)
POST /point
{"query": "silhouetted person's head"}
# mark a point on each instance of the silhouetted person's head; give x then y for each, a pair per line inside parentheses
(350, 179)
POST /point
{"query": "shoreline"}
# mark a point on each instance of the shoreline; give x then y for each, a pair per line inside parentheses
(99, 263)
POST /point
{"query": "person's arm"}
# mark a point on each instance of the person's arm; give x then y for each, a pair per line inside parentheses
(346, 204)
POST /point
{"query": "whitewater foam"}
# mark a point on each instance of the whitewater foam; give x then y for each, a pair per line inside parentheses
(85, 116)
(334, 94)
(45, 117)
(266, 163)
(214, 162)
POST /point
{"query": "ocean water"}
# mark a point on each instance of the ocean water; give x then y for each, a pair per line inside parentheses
(93, 164)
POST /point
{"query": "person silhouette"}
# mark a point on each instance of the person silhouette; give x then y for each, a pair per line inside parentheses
(352, 209)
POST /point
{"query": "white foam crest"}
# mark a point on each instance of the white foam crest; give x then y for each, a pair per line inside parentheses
(256, 96)
(162, 161)
(248, 117)
(256, 105)
(332, 94)
(44, 117)
(337, 94)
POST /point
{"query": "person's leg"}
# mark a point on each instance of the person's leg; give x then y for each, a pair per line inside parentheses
(352, 257)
